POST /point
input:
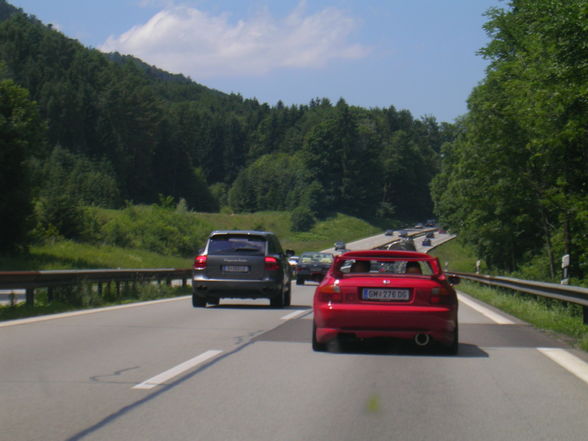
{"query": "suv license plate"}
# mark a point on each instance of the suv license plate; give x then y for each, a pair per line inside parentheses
(235, 268)
(379, 294)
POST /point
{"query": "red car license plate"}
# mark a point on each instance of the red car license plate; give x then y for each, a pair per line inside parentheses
(385, 295)
(235, 268)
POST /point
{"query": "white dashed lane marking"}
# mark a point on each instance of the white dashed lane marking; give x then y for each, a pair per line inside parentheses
(177, 370)
(294, 314)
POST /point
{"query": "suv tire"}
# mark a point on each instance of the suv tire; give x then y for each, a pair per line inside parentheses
(279, 300)
(198, 301)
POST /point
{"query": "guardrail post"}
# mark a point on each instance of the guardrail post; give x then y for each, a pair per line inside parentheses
(30, 297)
(50, 295)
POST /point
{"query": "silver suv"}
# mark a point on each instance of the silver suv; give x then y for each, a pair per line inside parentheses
(242, 264)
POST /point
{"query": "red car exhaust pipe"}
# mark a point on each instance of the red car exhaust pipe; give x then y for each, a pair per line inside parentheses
(422, 339)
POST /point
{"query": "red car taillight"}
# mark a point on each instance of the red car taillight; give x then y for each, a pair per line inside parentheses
(440, 296)
(330, 294)
(271, 264)
(200, 262)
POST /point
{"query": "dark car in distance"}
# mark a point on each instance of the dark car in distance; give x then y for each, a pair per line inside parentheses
(312, 266)
(340, 247)
(244, 265)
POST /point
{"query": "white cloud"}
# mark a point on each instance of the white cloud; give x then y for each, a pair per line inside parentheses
(192, 42)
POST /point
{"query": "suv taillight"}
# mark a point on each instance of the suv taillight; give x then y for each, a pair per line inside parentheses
(200, 262)
(271, 263)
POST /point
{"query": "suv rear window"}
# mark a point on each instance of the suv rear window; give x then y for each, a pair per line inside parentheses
(230, 245)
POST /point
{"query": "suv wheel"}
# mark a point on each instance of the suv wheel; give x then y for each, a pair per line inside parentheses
(279, 300)
(299, 280)
(198, 301)
(288, 296)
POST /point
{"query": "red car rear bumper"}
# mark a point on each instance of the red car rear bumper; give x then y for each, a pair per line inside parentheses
(371, 321)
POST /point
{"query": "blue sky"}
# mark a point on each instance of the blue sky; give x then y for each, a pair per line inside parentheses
(418, 55)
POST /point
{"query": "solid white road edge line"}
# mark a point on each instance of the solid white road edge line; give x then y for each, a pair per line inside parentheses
(294, 314)
(570, 362)
(85, 311)
(177, 370)
(500, 319)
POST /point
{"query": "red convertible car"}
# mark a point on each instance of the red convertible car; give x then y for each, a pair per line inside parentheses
(390, 294)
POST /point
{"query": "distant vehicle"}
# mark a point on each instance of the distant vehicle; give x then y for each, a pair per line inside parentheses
(403, 233)
(389, 233)
(293, 261)
(313, 267)
(431, 222)
(406, 244)
(419, 226)
(340, 247)
(242, 264)
(430, 235)
(383, 298)
(426, 242)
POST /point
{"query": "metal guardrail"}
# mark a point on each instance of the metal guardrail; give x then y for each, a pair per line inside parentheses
(31, 280)
(564, 293)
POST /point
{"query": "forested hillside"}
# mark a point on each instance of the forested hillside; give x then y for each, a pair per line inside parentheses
(115, 129)
(515, 181)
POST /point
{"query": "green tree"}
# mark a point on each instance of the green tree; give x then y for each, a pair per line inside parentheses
(21, 137)
(520, 165)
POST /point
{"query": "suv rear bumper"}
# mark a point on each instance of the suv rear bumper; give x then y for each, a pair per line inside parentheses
(248, 289)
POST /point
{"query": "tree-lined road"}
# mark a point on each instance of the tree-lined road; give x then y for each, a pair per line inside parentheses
(95, 377)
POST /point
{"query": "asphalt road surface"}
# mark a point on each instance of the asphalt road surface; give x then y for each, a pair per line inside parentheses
(243, 371)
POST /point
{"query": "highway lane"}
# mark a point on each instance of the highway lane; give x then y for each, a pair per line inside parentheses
(75, 378)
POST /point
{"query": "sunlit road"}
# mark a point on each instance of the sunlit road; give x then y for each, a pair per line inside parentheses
(101, 376)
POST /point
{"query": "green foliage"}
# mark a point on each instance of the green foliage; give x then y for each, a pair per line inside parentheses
(302, 219)
(162, 230)
(129, 131)
(514, 183)
(58, 215)
(459, 256)
(276, 182)
(21, 138)
(87, 181)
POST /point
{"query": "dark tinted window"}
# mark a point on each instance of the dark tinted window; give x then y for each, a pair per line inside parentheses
(250, 245)
(274, 246)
